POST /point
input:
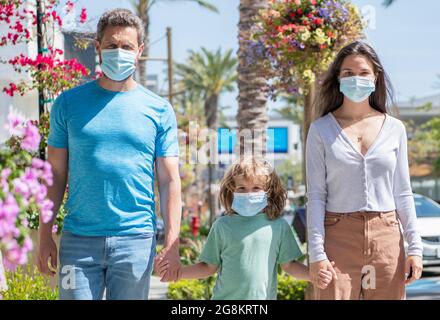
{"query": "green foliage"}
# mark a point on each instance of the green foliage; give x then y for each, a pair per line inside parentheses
(33, 218)
(289, 288)
(187, 290)
(28, 284)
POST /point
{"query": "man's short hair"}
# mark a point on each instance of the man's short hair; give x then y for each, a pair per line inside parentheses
(120, 17)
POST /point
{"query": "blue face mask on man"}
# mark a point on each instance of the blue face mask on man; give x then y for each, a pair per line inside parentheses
(357, 88)
(118, 64)
(249, 204)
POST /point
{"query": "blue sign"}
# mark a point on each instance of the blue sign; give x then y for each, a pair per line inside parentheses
(277, 140)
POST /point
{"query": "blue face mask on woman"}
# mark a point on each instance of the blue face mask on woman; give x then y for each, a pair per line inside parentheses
(357, 88)
(249, 204)
(118, 64)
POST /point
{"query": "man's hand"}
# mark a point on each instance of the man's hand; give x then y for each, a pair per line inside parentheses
(171, 208)
(167, 264)
(47, 249)
(58, 159)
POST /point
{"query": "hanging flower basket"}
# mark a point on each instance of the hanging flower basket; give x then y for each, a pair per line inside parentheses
(294, 41)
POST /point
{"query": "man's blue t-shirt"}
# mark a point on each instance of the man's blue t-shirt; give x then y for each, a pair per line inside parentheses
(113, 139)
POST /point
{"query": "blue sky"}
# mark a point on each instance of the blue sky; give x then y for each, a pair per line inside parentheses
(406, 37)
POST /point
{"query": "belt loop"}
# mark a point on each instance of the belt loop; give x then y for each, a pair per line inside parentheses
(381, 214)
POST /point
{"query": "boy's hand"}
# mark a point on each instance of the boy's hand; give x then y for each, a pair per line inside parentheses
(160, 265)
(325, 277)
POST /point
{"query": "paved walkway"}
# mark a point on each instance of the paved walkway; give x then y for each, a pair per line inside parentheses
(158, 290)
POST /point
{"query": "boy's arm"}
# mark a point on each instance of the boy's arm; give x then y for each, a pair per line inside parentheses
(197, 271)
(297, 270)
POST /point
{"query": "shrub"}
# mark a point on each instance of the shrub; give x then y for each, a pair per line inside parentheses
(27, 284)
(289, 288)
(188, 290)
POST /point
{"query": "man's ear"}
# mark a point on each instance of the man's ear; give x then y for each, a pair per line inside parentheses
(98, 49)
(141, 50)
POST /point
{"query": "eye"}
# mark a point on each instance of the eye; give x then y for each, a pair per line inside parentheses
(126, 47)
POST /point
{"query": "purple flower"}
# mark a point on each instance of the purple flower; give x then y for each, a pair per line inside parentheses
(46, 210)
(31, 139)
(21, 187)
(15, 124)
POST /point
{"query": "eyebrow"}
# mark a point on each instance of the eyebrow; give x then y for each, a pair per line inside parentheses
(349, 69)
(112, 41)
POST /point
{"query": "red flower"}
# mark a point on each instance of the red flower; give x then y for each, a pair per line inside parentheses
(317, 21)
(313, 2)
(299, 11)
(11, 90)
(83, 16)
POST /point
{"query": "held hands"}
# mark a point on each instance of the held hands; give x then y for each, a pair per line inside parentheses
(322, 273)
(167, 264)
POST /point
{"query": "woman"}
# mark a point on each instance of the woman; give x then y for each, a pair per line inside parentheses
(359, 191)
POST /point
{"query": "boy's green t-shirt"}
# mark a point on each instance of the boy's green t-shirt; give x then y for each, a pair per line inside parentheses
(247, 251)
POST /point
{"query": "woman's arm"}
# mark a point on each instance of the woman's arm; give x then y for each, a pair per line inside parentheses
(316, 195)
(406, 211)
(404, 200)
(197, 271)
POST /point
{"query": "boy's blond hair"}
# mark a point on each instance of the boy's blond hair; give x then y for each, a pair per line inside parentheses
(248, 168)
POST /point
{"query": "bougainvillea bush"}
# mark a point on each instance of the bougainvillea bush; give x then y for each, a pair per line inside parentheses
(23, 187)
(293, 41)
(24, 177)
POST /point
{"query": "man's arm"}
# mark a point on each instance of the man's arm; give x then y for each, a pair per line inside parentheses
(58, 158)
(171, 208)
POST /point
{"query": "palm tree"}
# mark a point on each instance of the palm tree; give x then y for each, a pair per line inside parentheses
(142, 9)
(252, 87)
(209, 74)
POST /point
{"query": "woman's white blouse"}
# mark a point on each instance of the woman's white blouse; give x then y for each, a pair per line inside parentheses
(340, 179)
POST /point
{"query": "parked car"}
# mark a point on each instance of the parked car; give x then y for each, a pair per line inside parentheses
(428, 220)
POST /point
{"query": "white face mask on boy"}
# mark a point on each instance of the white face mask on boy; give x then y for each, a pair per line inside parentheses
(249, 204)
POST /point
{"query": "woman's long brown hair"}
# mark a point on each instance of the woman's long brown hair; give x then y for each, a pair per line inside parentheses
(329, 96)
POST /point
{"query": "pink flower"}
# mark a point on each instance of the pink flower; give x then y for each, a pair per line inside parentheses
(32, 138)
(46, 210)
(21, 188)
(54, 228)
(15, 125)
(83, 15)
(69, 6)
(4, 175)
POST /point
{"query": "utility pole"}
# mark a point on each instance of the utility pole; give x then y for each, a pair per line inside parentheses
(40, 47)
(170, 65)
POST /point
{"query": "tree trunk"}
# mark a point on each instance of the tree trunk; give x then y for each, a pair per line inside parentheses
(309, 114)
(143, 13)
(252, 109)
(211, 109)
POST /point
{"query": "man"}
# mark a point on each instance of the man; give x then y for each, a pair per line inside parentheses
(107, 136)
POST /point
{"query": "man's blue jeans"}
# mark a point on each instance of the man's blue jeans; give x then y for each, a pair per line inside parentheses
(121, 265)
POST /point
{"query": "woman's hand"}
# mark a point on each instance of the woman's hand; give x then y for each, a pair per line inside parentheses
(320, 270)
(413, 265)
